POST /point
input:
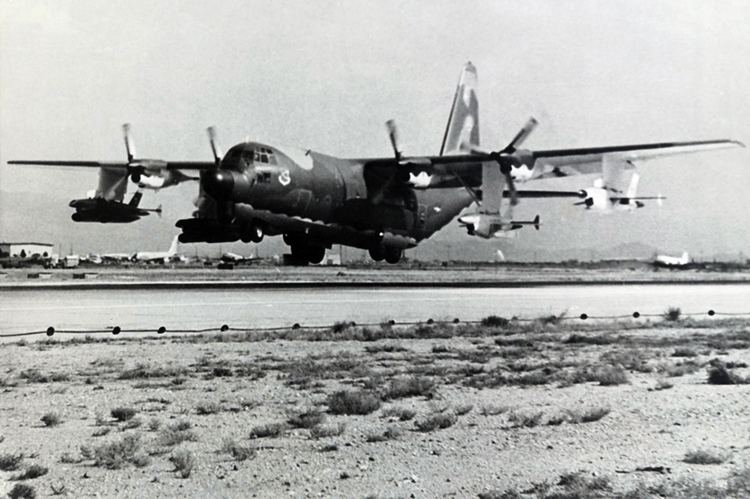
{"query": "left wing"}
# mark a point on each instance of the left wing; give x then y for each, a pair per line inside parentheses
(466, 169)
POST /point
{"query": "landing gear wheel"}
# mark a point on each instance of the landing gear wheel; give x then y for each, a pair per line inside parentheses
(308, 254)
(315, 254)
(393, 255)
(377, 253)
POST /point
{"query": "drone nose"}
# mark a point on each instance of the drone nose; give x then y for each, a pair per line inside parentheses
(219, 184)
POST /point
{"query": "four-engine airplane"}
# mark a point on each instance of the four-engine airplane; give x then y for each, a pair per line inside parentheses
(389, 204)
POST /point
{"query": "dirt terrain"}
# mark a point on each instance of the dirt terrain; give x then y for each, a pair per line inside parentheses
(506, 409)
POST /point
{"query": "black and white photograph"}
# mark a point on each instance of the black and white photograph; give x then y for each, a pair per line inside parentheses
(375, 249)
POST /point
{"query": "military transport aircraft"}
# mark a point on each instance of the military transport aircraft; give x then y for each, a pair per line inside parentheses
(388, 204)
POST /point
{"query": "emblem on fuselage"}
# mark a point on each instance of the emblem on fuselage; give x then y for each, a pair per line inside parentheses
(285, 178)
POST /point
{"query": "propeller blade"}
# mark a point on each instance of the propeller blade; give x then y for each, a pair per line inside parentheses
(522, 135)
(129, 145)
(511, 189)
(215, 148)
(393, 136)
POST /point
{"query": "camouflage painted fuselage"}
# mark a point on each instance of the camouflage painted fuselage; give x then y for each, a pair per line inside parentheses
(331, 200)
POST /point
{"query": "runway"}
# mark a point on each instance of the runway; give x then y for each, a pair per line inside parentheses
(149, 309)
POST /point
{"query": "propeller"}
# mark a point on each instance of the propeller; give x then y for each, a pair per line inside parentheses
(393, 136)
(215, 148)
(137, 167)
(135, 173)
(215, 183)
(510, 156)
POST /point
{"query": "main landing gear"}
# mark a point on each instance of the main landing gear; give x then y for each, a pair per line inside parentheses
(308, 253)
(388, 253)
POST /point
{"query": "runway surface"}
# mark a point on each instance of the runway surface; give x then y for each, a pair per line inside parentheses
(33, 310)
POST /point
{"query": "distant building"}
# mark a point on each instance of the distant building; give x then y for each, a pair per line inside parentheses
(26, 250)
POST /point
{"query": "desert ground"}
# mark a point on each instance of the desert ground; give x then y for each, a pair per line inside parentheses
(543, 408)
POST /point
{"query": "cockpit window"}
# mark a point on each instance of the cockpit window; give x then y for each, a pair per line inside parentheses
(265, 155)
(247, 157)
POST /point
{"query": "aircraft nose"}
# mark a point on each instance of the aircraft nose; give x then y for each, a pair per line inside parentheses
(219, 184)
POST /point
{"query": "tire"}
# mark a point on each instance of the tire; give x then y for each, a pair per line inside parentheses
(393, 255)
(315, 254)
(377, 253)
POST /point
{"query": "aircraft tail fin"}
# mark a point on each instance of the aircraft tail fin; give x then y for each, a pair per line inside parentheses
(463, 121)
(173, 248)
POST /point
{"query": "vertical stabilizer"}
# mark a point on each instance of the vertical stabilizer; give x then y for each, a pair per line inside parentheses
(463, 121)
(173, 248)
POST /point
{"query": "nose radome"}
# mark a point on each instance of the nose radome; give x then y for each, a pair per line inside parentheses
(219, 184)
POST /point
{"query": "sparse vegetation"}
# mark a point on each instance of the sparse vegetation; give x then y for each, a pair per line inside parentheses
(462, 410)
(238, 452)
(684, 352)
(101, 432)
(115, 455)
(177, 433)
(521, 419)
(385, 348)
(703, 457)
(33, 471)
(390, 433)
(22, 491)
(10, 462)
(435, 421)
(719, 374)
(594, 414)
(51, 419)
(352, 402)
(207, 408)
(402, 413)
(494, 321)
(412, 386)
(672, 314)
(123, 413)
(610, 376)
(143, 371)
(270, 430)
(327, 430)
(36, 376)
(307, 419)
(183, 462)
(493, 410)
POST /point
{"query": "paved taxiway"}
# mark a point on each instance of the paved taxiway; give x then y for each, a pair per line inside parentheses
(32, 310)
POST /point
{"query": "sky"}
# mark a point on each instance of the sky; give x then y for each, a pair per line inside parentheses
(327, 75)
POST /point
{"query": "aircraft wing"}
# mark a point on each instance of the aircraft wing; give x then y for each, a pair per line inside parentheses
(466, 169)
(554, 162)
(147, 163)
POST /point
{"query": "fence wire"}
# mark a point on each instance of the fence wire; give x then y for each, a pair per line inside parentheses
(116, 330)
